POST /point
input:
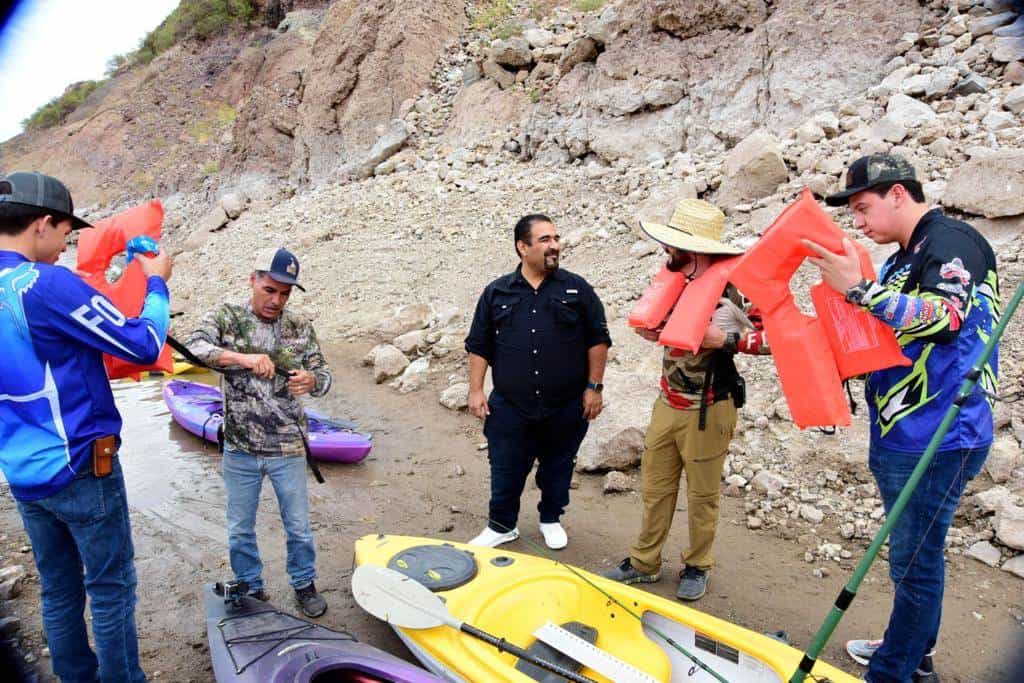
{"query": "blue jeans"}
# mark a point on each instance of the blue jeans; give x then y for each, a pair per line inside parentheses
(243, 479)
(916, 561)
(514, 442)
(85, 528)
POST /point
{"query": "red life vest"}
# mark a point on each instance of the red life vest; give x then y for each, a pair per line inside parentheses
(812, 354)
(689, 321)
(657, 300)
(96, 247)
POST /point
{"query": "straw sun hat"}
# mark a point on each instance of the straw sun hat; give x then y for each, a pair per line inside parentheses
(695, 226)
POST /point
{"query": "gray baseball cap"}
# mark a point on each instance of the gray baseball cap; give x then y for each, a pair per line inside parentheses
(41, 192)
(869, 171)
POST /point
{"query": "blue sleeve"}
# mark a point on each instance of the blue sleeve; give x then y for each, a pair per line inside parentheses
(78, 311)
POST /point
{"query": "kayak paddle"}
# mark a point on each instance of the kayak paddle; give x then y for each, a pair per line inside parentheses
(404, 602)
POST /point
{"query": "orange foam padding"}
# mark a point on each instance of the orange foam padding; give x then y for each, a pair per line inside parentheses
(812, 354)
(657, 300)
(689, 321)
(807, 370)
(96, 247)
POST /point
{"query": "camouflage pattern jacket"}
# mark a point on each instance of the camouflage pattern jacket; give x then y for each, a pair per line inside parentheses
(260, 416)
(683, 372)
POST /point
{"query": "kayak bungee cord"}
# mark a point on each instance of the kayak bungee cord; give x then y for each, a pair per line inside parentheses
(849, 592)
(698, 664)
(194, 360)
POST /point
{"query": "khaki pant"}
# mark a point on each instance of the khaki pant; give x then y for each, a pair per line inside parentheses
(673, 445)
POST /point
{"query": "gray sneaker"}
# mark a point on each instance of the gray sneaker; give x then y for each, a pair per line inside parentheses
(626, 573)
(693, 584)
(310, 601)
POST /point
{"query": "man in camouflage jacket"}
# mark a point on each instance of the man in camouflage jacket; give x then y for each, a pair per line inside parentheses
(263, 419)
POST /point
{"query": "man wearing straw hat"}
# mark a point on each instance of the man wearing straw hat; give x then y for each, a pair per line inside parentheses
(695, 414)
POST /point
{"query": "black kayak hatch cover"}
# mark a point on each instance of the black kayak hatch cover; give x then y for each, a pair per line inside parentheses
(438, 567)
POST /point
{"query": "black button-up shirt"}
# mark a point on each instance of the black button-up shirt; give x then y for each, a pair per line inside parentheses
(536, 340)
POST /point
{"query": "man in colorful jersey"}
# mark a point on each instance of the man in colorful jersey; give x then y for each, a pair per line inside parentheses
(940, 293)
(263, 419)
(694, 417)
(56, 408)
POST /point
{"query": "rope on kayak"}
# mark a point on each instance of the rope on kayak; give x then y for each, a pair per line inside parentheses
(697, 663)
(276, 637)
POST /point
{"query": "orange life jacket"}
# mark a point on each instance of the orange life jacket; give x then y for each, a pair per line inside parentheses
(657, 300)
(96, 247)
(689, 321)
(812, 354)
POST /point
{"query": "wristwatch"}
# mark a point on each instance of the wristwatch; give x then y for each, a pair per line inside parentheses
(596, 386)
(857, 293)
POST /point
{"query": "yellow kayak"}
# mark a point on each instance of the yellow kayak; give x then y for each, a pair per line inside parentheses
(512, 595)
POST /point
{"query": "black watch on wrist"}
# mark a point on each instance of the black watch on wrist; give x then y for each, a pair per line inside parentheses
(596, 386)
(856, 294)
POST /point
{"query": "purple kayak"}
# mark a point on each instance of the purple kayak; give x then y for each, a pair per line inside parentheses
(198, 408)
(251, 642)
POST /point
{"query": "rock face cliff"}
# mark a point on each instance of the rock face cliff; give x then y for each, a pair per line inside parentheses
(305, 93)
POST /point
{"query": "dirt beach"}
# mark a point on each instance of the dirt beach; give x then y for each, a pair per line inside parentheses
(427, 475)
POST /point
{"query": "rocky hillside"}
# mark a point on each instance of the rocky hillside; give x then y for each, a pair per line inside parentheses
(393, 144)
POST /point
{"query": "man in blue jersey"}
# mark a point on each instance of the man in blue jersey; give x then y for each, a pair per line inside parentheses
(59, 428)
(940, 293)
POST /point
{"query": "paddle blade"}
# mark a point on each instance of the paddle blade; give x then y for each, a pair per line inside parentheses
(395, 598)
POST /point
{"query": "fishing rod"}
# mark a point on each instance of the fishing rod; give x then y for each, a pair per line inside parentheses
(195, 360)
(664, 636)
(849, 592)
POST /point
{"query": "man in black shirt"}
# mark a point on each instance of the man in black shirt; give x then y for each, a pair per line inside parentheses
(542, 331)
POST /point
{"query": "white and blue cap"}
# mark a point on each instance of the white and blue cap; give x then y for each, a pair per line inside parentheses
(280, 265)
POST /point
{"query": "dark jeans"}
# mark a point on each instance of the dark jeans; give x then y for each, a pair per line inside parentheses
(916, 562)
(514, 442)
(85, 527)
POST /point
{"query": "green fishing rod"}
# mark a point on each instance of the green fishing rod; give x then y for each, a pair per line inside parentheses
(849, 592)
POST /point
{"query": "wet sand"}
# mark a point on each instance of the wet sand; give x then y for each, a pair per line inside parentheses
(411, 484)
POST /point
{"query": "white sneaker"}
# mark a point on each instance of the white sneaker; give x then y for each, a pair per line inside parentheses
(490, 538)
(554, 535)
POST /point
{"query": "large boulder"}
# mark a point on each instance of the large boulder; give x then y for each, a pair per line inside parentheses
(753, 169)
(991, 185)
(615, 439)
(908, 112)
(514, 52)
(388, 362)
(393, 139)
(414, 376)
(1009, 526)
(577, 52)
(1004, 457)
(455, 397)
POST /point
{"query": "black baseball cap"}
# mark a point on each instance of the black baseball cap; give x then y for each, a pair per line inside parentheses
(869, 171)
(280, 264)
(41, 192)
